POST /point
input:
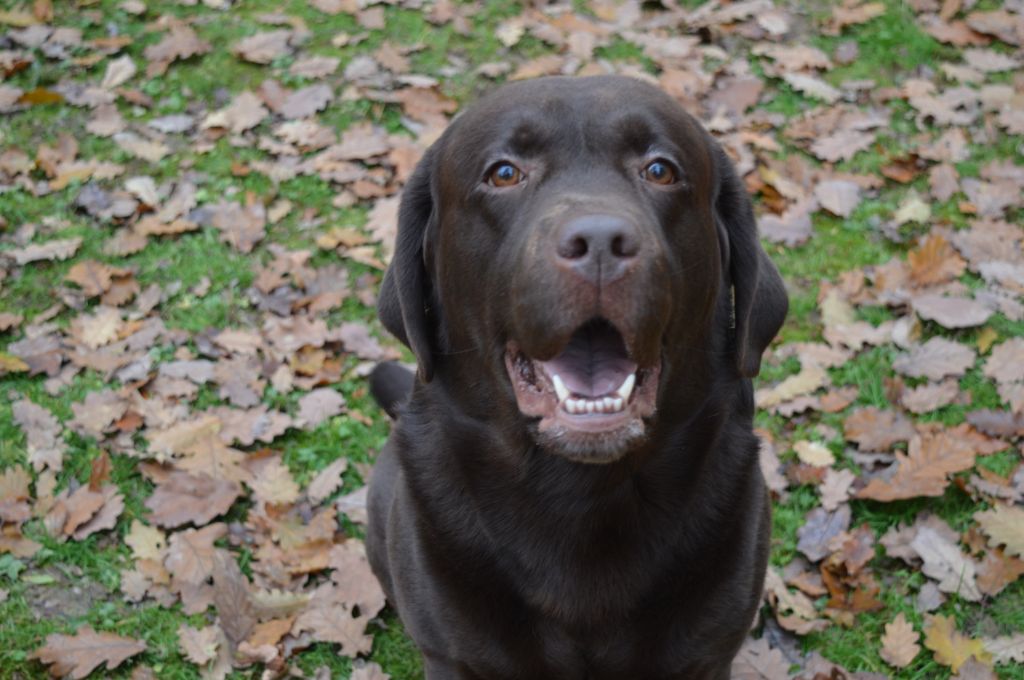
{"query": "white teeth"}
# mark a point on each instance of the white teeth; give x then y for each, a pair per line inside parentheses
(560, 389)
(626, 388)
(582, 406)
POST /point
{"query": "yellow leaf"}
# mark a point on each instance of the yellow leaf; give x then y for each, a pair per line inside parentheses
(17, 17)
(986, 336)
(11, 364)
(952, 648)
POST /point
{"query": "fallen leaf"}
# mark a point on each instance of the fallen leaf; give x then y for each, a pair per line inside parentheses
(946, 563)
(899, 644)
(78, 655)
(923, 470)
(1004, 525)
(950, 312)
(951, 647)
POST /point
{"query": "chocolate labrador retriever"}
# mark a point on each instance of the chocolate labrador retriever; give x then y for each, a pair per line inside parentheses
(571, 490)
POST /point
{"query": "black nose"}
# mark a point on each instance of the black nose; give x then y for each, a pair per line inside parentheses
(598, 247)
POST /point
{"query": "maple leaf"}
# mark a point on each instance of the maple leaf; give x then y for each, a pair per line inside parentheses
(951, 647)
(80, 654)
(923, 470)
(899, 644)
(1004, 525)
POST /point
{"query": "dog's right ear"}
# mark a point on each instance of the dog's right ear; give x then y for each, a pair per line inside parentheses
(405, 292)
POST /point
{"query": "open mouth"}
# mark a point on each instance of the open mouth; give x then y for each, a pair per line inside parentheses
(590, 394)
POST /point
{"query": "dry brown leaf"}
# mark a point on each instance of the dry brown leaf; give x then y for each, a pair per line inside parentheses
(814, 453)
(263, 48)
(1006, 649)
(877, 430)
(326, 481)
(758, 661)
(368, 671)
(185, 498)
(191, 554)
(899, 644)
(43, 432)
(839, 197)
(1006, 363)
(199, 646)
(835, 489)
(946, 563)
(950, 312)
(923, 470)
(274, 484)
(936, 359)
(1004, 525)
(319, 405)
(147, 543)
(180, 43)
(934, 261)
(809, 379)
(78, 655)
(930, 396)
(951, 647)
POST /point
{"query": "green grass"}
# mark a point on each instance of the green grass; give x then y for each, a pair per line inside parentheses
(892, 48)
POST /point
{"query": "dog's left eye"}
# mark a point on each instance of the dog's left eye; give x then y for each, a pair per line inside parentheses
(504, 174)
(659, 172)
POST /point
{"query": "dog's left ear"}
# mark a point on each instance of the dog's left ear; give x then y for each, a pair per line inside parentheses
(759, 295)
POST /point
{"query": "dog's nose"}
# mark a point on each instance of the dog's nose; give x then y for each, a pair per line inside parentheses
(598, 247)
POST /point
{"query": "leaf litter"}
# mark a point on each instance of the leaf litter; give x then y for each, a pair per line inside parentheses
(206, 417)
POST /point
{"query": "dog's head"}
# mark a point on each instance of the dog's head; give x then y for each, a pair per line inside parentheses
(574, 242)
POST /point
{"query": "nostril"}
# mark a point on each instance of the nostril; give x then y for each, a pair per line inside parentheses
(574, 248)
(624, 245)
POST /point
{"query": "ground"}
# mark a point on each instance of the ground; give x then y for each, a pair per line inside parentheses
(197, 200)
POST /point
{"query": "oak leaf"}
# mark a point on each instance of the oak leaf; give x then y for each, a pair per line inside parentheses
(899, 644)
(185, 498)
(946, 563)
(1004, 525)
(951, 647)
(78, 655)
(876, 430)
(923, 470)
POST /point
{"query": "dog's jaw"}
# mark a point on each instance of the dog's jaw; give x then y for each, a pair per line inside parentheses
(595, 413)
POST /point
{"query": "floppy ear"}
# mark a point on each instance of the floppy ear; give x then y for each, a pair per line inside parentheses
(759, 296)
(405, 291)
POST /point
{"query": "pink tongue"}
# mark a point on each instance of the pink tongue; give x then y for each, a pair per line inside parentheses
(594, 363)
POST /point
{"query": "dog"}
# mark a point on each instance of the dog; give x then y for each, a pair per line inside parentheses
(571, 490)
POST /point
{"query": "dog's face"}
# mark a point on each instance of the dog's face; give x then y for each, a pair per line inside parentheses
(568, 235)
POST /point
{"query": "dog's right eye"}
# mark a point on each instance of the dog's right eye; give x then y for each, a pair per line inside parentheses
(504, 174)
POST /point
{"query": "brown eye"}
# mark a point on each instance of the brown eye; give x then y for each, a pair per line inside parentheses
(659, 172)
(504, 175)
